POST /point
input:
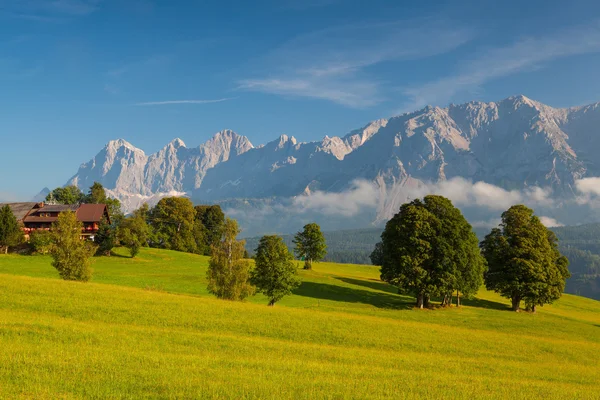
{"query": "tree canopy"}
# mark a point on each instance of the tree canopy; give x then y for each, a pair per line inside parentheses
(66, 195)
(228, 272)
(134, 232)
(210, 220)
(310, 244)
(430, 249)
(173, 224)
(10, 231)
(71, 254)
(275, 274)
(524, 260)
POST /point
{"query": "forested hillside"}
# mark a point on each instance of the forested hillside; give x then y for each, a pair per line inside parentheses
(581, 245)
(346, 246)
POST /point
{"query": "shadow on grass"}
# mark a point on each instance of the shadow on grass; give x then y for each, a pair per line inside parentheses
(371, 284)
(326, 291)
(117, 255)
(385, 287)
(480, 303)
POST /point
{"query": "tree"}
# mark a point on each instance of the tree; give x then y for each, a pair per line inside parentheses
(96, 194)
(228, 273)
(66, 195)
(105, 238)
(459, 264)
(211, 220)
(408, 240)
(310, 244)
(429, 248)
(70, 253)
(524, 261)
(41, 242)
(173, 224)
(377, 254)
(134, 232)
(10, 231)
(275, 274)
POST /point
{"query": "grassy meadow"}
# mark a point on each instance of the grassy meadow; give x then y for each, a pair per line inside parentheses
(147, 328)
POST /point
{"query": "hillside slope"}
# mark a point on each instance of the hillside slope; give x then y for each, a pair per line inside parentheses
(155, 333)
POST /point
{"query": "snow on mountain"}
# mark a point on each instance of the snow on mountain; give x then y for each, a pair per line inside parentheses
(514, 144)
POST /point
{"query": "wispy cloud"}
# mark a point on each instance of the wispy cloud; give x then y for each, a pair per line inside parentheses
(492, 63)
(333, 64)
(52, 11)
(172, 102)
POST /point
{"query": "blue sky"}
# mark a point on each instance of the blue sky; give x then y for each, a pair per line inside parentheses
(75, 74)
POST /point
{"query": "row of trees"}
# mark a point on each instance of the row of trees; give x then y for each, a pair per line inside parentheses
(174, 223)
(430, 249)
(231, 276)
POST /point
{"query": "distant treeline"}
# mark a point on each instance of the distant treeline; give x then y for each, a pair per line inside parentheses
(347, 246)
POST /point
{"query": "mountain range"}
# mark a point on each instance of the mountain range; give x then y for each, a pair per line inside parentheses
(513, 146)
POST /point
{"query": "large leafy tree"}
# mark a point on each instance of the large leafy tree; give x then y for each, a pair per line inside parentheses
(134, 232)
(408, 240)
(430, 249)
(66, 195)
(457, 259)
(275, 274)
(96, 194)
(105, 238)
(228, 272)
(173, 224)
(310, 244)
(210, 220)
(70, 253)
(377, 254)
(10, 231)
(524, 261)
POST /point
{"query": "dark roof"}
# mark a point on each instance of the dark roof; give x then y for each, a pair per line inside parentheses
(91, 212)
(57, 208)
(20, 210)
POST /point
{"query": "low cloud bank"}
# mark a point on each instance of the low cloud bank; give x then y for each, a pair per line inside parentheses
(481, 202)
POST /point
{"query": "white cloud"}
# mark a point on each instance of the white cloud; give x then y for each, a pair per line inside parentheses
(332, 64)
(589, 185)
(362, 194)
(550, 222)
(172, 102)
(351, 93)
(490, 223)
(463, 193)
(494, 63)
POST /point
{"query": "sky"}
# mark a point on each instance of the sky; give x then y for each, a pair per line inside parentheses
(75, 74)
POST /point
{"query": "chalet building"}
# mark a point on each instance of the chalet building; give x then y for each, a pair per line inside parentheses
(40, 216)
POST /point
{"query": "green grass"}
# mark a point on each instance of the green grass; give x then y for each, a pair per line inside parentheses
(146, 328)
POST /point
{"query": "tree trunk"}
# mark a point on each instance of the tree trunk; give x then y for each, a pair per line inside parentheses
(6, 250)
(516, 303)
(420, 297)
(271, 302)
(308, 264)
(444, 300)
(426, 301)
(533, 308)
(457, 298)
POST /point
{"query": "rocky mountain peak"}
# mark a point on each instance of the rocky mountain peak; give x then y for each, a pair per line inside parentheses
(115, 145)
(513, 143)
(176, 143)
